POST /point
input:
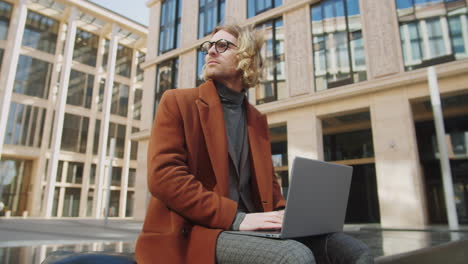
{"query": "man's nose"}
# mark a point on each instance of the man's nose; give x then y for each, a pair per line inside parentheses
(212, 50)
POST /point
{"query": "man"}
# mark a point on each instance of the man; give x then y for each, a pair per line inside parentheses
(210, 170)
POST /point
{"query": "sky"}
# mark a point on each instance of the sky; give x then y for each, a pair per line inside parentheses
(134, 9)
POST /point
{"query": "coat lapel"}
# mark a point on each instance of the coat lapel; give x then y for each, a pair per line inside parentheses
(212, 122)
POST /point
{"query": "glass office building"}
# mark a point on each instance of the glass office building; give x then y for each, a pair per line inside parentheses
(344, 81)
(62, 50)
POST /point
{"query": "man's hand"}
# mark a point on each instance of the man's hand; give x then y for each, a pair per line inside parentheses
(260, 221)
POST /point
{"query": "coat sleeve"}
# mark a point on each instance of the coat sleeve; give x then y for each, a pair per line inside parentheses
(169, 178)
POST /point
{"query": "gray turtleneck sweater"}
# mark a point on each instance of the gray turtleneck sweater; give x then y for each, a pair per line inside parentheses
(235, 121)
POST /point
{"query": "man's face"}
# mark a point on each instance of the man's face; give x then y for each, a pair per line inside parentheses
(222, 66)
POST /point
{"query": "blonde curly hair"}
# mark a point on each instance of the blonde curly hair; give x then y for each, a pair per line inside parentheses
(249, 42)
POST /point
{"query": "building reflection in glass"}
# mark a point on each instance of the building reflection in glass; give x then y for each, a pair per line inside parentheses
(337, 42)
(432, 31)
(37, 254)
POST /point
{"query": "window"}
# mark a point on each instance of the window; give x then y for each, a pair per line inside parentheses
(256, 7)
(273, 85)
(211, 13)
(339, 57)
(166, 79)
(75, 172)
(80, 89)
(116, 131)
(200, 62)
(134, 146)
(123, 64)
(41, 32)
(71, 202)
(131, 177)
(33, 77)
(432, 32)
(86, 47)
(25, 125)
(97, 129)
(119, 105)
(1, 58)
(169, 31)
(75, 133)
(137, 104)
(140, 71)
(116, 176)
(5, 16)
(130, 201)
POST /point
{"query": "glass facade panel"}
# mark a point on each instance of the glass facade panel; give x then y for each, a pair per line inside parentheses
(41, 32)
(15, 185)
(119, 105)
(89, 202)
(273, 84)
(130, 201)
(1, 58)
(33, 77)
(348, 145)
(80, 89)
(432, 32)
(123, 64)
(114, 203)
(137, 103)
(169, 31)
(255, 7)
(116, 176)
(337, 42)
(166, 79)
(279, 156)
(200, 62)
(134, 146)
(71, 202)
(25, 125)
(75, 172)
(86, 47)
(140, 71)
(5, 16)
(210, 14)
(117, 131)
(97, 128)
(131, 178)
(75, 133)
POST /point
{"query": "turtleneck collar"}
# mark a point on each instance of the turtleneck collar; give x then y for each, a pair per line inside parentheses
(229, 96)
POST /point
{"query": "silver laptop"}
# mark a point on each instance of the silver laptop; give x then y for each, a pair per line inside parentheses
(317, 200)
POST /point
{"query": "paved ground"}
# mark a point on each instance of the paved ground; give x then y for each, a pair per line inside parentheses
(31, 240)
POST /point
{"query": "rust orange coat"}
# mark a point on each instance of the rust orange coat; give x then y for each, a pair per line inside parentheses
(188, 177)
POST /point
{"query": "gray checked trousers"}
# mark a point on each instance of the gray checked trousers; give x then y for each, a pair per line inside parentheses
(336, 248)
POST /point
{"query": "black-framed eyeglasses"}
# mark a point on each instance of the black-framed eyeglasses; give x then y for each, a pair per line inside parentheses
(221, 45)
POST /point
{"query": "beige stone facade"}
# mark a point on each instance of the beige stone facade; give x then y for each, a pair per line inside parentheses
(388, 96)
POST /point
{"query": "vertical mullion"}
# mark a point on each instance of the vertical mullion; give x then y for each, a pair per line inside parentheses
(175, 23)
(348, 42)
(275, 78)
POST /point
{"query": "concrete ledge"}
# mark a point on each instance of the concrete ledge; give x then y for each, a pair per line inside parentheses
(453, 253)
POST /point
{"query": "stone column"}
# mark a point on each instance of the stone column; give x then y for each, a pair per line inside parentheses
(187, 66)
(188, 23)
(235, 11)
(298, 44)
(399, 179)
(141, 184)
(381, 38)
(104, 134)
(60, 112)
(10, 62)
(304, 135)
